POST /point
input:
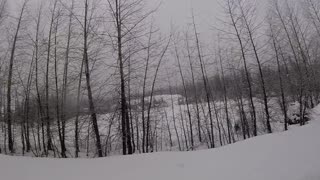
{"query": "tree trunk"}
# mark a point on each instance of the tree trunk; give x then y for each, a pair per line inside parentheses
(186, 97)
(87, 73)
(225, 95)
(195, 90)
(9, 82)
(204, 82)
(283, 99)
(152, 91)
(173, 114)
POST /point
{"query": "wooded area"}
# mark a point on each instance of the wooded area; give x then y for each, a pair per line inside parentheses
(98, 77)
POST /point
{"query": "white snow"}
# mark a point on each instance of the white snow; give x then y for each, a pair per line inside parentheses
(292, 155)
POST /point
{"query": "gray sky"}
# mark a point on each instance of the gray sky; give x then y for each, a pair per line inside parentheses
(179, 13)
(206, 14)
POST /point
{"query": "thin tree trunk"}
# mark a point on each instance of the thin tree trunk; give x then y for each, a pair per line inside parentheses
(204, 82)
(183, 128)
(87, 73)
(225, 95)
(40, 107)
(144, 91)
(76, 130)
(168, 127)
(27, 104)
(126, 137)
(58, 114)
(195, 90)
(129, 108)
(152, 91)
(9, 82)
(283, 99)
(186, 97)
(173, 114)
(65, 85)
(48, 128)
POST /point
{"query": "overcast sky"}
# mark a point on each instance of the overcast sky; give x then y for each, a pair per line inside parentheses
(206, 12)
(178, 12)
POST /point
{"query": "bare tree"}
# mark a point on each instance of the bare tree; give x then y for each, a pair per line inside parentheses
(297, 64)
(230, 11)
(185, 94)
(144, 88)
(173, 113)
(128, 18)
(49, 140)
(204, 78)
(163, 52)
(194, 87)
(65, 89)
(250, 27)
(12, 57)
(93, 114)
(225, 95)
(275, 46)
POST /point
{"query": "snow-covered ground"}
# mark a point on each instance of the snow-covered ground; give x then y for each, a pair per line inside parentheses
(291, 155)
(166, 120)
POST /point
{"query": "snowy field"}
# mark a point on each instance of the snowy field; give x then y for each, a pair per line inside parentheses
(169, 117)
(291, 155)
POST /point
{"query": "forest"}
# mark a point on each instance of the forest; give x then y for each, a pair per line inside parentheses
(96, 78)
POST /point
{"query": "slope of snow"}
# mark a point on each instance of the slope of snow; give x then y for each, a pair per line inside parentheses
(293, 155)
